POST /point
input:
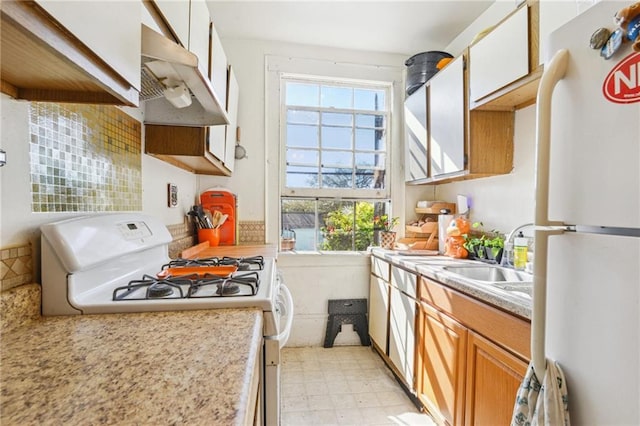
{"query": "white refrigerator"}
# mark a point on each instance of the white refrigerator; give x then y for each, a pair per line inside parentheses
(588, 181)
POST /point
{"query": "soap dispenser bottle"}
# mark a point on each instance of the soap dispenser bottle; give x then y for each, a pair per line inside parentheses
(520, 248)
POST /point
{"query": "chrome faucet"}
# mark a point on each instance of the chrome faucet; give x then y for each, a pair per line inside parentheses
(507, 256)
(516, 229)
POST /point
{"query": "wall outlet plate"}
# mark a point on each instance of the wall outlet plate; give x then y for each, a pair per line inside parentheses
(172, 195)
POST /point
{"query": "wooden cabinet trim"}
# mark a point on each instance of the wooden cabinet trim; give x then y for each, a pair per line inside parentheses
(507, 330)
(183, 147)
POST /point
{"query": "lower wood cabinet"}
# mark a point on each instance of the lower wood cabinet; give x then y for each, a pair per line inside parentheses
(441, 355)
(493, 378)
(470, 357)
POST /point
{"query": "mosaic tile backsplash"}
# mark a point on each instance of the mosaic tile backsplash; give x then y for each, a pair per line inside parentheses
(84, 158)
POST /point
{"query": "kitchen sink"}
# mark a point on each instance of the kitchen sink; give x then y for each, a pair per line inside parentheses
(516, 283)
(491, 274)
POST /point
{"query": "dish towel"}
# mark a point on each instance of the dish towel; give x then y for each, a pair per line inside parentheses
(546, 404)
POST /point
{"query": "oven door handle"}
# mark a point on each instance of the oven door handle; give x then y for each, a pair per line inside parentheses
(283, 337)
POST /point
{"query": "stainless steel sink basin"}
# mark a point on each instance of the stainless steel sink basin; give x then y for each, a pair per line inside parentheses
(523, 289)
(490, 274)
(516, 283)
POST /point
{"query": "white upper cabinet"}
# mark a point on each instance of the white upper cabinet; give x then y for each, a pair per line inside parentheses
(110, 29)
(199, 25)
(232, 109)
(218, 67)
(217, 141)
(501, 57)
(189, 20)
(447, 118)
(176, 13)
(415, 123)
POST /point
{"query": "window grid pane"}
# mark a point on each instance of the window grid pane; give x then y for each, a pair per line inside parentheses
(332, 225)
(334, 143)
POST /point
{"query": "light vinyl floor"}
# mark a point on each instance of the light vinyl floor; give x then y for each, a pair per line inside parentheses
(343, 385)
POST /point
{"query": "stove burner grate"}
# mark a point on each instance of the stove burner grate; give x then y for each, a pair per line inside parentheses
(254, 263)
(154, 288)
(225, 286)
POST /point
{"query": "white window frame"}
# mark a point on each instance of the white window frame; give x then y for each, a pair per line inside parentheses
(373, 194)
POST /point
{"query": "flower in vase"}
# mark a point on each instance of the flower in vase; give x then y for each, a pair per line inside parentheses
(384, 223)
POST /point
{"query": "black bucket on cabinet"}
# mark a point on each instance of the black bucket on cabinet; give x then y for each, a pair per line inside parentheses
(421, 67)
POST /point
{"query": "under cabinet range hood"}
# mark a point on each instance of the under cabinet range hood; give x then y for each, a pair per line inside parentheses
(174, 90)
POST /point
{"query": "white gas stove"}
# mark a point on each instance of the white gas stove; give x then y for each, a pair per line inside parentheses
(119, 263)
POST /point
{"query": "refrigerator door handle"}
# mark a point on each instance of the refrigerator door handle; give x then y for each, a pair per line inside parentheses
(554, 72)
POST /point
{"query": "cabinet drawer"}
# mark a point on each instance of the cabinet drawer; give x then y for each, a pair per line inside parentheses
(501, 57)
(380, 268)
(404, 280)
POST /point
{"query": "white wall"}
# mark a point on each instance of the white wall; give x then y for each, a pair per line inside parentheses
(506, 201)
(313, 280)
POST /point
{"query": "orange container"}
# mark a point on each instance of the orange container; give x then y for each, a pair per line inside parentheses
(211, 235)
(225, 202)
(221, 271)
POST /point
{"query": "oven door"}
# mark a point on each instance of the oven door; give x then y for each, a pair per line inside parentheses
(283, 318)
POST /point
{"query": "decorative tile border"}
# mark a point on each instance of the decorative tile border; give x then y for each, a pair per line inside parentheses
(251, 232)
(16, 266)
(183, 238)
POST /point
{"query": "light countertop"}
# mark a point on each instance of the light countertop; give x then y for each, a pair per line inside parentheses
(431, 267)
(188, 367)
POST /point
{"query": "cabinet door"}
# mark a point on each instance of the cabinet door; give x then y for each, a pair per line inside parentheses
(381, 268)
(110, 29)
(493, 378)
(441, 364)
(232, 109)
(415, 125)
(219, 67)
(405, 281)
(501, 57)
(402, 318)
(176, 13)
(379, 312)
(217, 141)
(199, 42)
(447, 119)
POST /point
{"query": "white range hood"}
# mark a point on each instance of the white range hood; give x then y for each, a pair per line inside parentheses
(174, 90)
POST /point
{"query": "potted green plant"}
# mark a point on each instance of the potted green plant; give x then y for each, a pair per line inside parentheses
(494, 246)
(475, 243)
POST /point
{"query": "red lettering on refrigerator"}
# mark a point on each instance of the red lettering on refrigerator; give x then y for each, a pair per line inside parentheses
(622, 84)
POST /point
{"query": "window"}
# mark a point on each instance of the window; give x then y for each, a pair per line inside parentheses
(334, 161)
